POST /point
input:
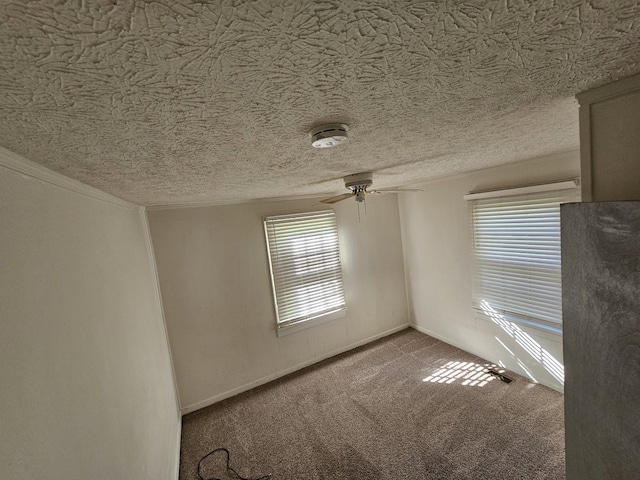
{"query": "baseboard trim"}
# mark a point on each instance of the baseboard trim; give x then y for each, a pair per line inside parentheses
(463, 347)
(17, 163)
(269, 378)
(440, 337)
(513, 368)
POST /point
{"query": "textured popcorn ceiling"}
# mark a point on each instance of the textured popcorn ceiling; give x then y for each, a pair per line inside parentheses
(163, 102)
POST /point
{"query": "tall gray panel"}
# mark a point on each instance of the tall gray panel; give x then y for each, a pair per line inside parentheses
(601, 314)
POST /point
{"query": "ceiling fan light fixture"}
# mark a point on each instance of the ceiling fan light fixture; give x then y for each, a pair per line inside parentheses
(358, 183)
(329, 135)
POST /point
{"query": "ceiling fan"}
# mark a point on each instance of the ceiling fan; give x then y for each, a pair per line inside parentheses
(358, 184)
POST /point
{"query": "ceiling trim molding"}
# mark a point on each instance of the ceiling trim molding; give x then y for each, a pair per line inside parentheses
(609, 90)
(220, 203)
(567, 154)
(16, 163)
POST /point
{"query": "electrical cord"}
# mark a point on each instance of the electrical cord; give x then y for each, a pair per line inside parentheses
(230, 470)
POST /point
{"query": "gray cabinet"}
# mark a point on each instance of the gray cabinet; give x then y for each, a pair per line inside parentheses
(601, 315)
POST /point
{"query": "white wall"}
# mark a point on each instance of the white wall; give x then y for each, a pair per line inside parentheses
(437, 251)
(86, 383)
(216, 289)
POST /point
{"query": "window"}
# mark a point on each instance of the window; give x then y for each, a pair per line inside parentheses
(305, 269)
(516, 242)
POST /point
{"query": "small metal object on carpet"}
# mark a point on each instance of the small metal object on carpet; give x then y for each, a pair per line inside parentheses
(499, 375)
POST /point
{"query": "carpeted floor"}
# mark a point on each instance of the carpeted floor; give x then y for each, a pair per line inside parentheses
(404, 407)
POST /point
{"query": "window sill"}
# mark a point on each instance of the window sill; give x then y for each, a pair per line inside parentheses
(312, 322)
(540, 330)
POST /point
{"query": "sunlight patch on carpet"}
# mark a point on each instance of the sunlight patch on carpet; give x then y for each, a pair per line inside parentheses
(465, 373)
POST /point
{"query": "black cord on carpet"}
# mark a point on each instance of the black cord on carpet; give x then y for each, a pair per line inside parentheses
(230, 470)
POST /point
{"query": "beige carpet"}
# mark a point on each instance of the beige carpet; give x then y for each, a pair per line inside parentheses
(404, 407)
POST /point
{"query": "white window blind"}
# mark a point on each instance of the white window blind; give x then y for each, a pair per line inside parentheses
(517, 272)
(305, 266)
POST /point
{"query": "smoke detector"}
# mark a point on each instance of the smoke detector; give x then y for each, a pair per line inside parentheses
(329, 135)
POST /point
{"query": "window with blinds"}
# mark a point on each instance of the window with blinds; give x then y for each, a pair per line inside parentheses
(516, 241)
(305, 267)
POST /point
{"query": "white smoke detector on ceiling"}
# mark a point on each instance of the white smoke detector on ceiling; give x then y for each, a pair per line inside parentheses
(329, 135)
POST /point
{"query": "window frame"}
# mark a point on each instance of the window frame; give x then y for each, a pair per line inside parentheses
(491, 273)
(315, 273)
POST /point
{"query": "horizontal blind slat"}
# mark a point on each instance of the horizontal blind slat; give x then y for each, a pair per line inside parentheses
(517, 261)
(305, 265)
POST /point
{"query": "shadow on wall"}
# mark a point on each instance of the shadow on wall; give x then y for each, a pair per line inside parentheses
(533, 348)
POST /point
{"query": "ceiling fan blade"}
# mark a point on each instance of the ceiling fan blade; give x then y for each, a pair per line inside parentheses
(393, 190)
(337, 198)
